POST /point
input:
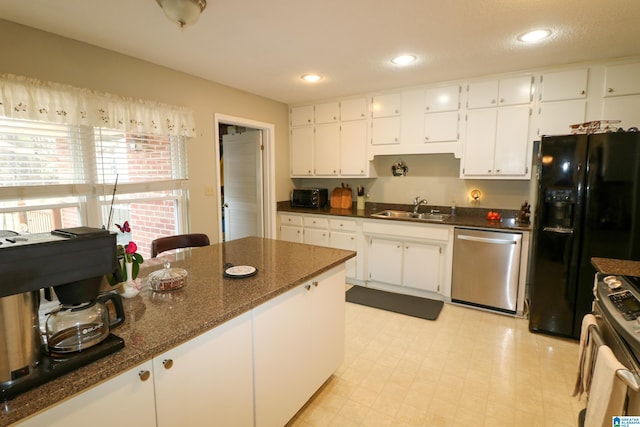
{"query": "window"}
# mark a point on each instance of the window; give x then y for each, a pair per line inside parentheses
(58, 176)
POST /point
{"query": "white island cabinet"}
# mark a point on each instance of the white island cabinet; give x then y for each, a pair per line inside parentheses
(298, 343)
(125, 399)
(205, 381)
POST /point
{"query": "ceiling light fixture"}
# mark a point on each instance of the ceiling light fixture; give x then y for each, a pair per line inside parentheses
(404, 59)
(311, 77)
(534, 36)
(183, 12)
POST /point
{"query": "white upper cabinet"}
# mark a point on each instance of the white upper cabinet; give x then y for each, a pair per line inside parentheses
(302, 151)
(327, 113)
(554, 118)
(326, 148)
(385, 110)
(497, 144)
(330, 139)
(482, 94)
(302, 116)
(564, 85)
(353, 148)
(353, 109)
(388, 105)
(441, 127)
(444, 98)
(494, 93)
(516, 90)
(563, 101)
(385, 130)
(622, 79)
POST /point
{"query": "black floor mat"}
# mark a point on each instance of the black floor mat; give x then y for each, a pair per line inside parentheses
(424, 308)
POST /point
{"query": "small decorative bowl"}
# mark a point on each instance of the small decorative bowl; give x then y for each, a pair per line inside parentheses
(167, 279)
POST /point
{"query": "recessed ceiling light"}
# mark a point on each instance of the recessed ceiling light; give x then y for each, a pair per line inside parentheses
(534, 36)
(404, 59)
(311, 77)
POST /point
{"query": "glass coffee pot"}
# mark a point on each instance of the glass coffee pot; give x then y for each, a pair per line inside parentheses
(76, 327)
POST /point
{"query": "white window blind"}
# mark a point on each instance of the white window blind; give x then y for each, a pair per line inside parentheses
(56, 176)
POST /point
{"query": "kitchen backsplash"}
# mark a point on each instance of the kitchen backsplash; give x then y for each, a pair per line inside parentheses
(434, 177)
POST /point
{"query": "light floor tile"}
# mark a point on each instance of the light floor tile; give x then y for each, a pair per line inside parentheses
(469, 367)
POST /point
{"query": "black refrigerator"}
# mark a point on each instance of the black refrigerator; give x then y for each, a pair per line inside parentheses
(588, 206)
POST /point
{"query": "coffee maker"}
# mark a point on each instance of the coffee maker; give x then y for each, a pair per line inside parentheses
(72, 262)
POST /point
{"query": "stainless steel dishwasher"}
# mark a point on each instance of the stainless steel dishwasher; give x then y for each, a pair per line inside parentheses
(486, 268)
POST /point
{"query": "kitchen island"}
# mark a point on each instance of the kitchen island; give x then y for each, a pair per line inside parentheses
(159, 322)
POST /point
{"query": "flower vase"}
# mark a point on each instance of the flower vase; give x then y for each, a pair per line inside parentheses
(128, 288)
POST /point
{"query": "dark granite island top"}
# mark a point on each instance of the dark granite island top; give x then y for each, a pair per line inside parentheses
(156, 322)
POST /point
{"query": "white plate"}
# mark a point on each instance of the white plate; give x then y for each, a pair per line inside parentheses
(240, 270)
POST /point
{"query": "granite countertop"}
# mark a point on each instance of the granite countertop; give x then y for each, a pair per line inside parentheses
(156, 322)
(616, 267)
(464, 217)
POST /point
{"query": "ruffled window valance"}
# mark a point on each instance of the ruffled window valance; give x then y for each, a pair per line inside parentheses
(32, 99)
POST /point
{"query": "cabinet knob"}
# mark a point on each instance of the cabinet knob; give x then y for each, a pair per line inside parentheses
(493, 101)
(489, 170)
(144, 375)
(501, 100)
(167, 363)
(315, 283)
(307, 286)
(428, 108)
(426, 138)
(497, 170)
(610, 90)
(583, 92)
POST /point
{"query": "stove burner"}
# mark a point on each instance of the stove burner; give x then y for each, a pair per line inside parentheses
(53, 366)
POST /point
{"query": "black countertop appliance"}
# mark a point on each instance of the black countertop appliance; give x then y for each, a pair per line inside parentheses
(73, 262)
(588, 206)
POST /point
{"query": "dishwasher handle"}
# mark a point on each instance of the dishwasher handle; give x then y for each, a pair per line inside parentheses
(487, 240)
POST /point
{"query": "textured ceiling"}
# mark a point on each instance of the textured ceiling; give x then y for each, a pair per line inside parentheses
(263, 47)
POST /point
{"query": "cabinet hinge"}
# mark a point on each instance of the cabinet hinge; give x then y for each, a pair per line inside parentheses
(440, 250)
(530, 112)
(261, 147)
(438, 288)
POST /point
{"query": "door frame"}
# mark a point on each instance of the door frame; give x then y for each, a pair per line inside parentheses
(268, 169)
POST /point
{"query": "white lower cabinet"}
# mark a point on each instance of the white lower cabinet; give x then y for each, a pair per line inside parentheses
(298, 344)
(207, 380)
(405, 263)
(420, 263)
(409, 256)
(126, 398)
(338, 233)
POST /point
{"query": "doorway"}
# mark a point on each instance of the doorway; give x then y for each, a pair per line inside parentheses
(246, 195)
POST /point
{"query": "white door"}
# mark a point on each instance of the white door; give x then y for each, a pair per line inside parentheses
(243, 207)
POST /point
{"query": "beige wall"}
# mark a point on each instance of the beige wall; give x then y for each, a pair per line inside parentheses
(33, 53)
(436, 178)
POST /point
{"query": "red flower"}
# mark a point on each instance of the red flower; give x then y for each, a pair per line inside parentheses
(131, 248)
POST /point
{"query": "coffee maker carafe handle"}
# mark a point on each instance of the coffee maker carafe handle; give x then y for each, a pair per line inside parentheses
(116, 300)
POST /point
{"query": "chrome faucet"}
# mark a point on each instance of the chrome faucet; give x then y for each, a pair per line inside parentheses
(417, 202)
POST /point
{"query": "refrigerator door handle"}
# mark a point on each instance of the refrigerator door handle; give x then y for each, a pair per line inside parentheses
(487, 240)
(559, 230)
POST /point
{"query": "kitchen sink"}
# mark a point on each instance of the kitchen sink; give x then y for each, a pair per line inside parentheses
(393, 214)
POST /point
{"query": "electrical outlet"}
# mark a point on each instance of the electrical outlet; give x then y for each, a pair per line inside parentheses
(210, 190)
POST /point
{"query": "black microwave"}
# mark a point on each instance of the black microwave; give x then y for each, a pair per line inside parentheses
(309, 197)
